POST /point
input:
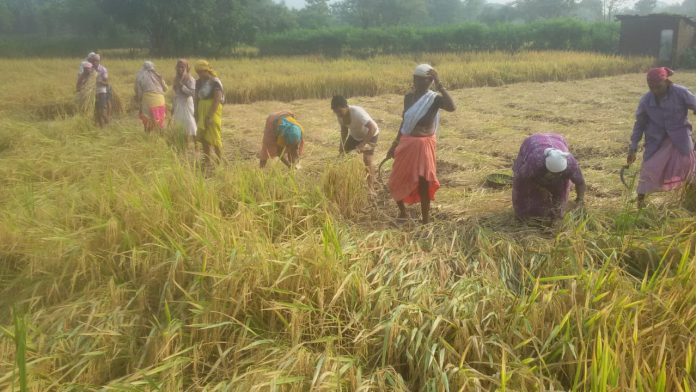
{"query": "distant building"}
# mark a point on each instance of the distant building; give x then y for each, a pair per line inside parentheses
(663, 36)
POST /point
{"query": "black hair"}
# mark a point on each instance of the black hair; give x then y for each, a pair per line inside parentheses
(338, 101)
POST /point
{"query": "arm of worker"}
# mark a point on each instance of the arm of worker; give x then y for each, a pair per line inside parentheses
(689, 100)
(447, 103)
(580, 187)
(188, 87)
(344, 138)
(638, 129)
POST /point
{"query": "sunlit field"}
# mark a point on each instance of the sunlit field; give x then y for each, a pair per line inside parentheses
(48, 84)
(124, 266)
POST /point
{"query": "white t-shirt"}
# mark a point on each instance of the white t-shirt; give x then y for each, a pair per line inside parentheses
(358, 123)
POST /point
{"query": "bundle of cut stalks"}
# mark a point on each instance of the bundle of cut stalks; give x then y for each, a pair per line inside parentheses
(117, 107)
(86, 97)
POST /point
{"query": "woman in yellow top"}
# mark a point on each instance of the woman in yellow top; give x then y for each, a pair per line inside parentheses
(208, 108)
(283, 137)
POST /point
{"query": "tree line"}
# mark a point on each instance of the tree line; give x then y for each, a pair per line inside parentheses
(214, 27)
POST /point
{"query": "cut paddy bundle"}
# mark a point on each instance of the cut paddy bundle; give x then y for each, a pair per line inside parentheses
(86, 97)
(85, 100)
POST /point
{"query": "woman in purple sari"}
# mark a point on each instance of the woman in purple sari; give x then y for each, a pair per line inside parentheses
(669, 160)
(542, 174)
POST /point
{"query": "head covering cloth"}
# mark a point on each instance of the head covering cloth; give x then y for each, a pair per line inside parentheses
(656, 75)
(556, 160)
(185, 63)
(204, 66)
(422, 70)
(148, 66)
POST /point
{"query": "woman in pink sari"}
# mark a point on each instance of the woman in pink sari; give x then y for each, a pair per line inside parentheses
(669, 160)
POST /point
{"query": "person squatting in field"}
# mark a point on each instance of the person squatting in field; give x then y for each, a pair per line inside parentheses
(208, 102)
(542, 174)
(283, 137)
(359, 132)
(414, 173)
(669, 160)
(182, 106)
(149, 94)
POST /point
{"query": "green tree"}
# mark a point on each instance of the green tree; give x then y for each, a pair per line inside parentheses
(267, 17)
(644, 7)
(376, 13)
(315, 15)
(445, 11)
(544, 9)
(180, 27)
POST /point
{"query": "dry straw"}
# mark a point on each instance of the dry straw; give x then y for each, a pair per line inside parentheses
(134, 271)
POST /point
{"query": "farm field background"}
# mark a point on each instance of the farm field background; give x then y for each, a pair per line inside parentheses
(290, 78)
(130, 269)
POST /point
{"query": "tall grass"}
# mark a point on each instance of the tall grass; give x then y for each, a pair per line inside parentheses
(135, 270)
(48, 84)
(139, 273)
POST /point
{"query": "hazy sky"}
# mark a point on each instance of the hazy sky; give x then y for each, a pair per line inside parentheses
(301, 3)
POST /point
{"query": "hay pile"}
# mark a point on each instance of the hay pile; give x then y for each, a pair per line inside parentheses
(86, 97)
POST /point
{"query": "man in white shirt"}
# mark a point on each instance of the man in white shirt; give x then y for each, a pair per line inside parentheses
(359, 132)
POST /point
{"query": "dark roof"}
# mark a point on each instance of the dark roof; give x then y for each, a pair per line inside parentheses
(657, 16)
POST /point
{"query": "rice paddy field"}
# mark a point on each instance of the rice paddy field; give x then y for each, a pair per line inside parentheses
(125, 267)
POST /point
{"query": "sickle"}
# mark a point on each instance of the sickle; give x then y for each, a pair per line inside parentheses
(621, 174)
(379, 169)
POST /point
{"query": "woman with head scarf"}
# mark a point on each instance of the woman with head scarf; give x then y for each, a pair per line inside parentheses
(183, 108)
(669, 160)
(82, 78)
(149, 92)
(208, 103)
(542, 174)
(414, 175)
(283, 137)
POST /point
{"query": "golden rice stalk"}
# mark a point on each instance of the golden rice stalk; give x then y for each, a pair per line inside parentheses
(117, 106)
(85, 98)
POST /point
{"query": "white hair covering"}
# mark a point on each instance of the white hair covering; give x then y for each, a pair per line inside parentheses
(149, 65)
(422, 70)
(556, 160)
